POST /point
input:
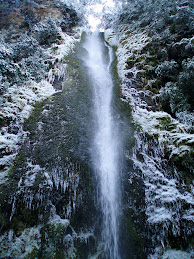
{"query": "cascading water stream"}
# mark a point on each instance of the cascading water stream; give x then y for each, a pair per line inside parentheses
(105, 146)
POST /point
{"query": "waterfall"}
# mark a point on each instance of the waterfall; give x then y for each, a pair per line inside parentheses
(105, 144)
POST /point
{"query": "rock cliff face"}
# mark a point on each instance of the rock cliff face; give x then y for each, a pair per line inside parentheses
(46, 210)
(48, 201)
(21, 15)
(51, 200)
(155, 63)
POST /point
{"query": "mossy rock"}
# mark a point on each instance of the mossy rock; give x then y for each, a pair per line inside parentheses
(130, 63)
(166, 123)
(85, 248)
(135, 243)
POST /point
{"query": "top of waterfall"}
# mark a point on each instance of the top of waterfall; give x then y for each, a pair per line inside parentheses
(95, 11)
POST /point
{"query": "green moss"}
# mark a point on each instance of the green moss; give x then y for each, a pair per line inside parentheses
(115, 48)
(55, 48)
(166, 123)
(133, 243)
(19, 162)
(34, 254)
(59, 41)
(153, 90)
(188, 182)
(138, 127)
(128, 33)
(23, 218)
(140, 59)
(150, 73)
(149, 48)
(51, 66)
(18, 226)
(130, 62)
(123, 43)
(4, 221)
(3, 121)
(56, 229)
(139, 66)
(84, 249)
(30, 123)
(152, 60)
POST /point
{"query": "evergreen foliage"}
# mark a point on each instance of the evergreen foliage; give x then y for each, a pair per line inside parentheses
(46, 33)
(21, 61)
(170, 25)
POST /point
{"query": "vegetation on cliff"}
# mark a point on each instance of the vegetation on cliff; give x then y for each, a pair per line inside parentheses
(47, 187)
(155, 46)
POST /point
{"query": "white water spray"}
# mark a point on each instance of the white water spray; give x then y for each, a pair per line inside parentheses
(105, 145)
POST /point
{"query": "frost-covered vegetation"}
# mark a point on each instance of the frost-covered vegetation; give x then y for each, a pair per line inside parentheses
(170, 25)
(46, 191)
(33, 50)
(22, 61)
(28, 47)
(154, 45)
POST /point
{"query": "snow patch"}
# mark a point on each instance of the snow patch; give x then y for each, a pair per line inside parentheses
(17, 104)
(20, 246)
(19, 100)
(175, 135)
(176, 254)
(129, 43)
(111, 37)
(59, 51)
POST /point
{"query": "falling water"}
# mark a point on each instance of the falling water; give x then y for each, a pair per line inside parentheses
(105, 144)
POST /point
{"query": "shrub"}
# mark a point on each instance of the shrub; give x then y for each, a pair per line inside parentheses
(172, 96)
(25, 47)
(167, 70)
(186, 79)
(33, 67)
(46, 33)
(20, 62)
(186, 118)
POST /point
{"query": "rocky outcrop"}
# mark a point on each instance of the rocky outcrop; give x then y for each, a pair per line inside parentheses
(48, 211)
(21, 16)
(154, 55)
(43, 173)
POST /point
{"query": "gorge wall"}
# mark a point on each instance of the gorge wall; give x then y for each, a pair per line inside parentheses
(48, 189)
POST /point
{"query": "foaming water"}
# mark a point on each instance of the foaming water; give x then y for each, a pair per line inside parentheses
(105, 145)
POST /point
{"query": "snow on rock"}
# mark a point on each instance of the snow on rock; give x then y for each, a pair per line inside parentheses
(169, 131)
(176, 254)
(162, 190)
(34, 175)
(68, 44)
(111, 37)
(59, 51)
(169, 201)
(17, 104)
(56, 220)
(20, 246)
(128, 43)
(19, 100)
